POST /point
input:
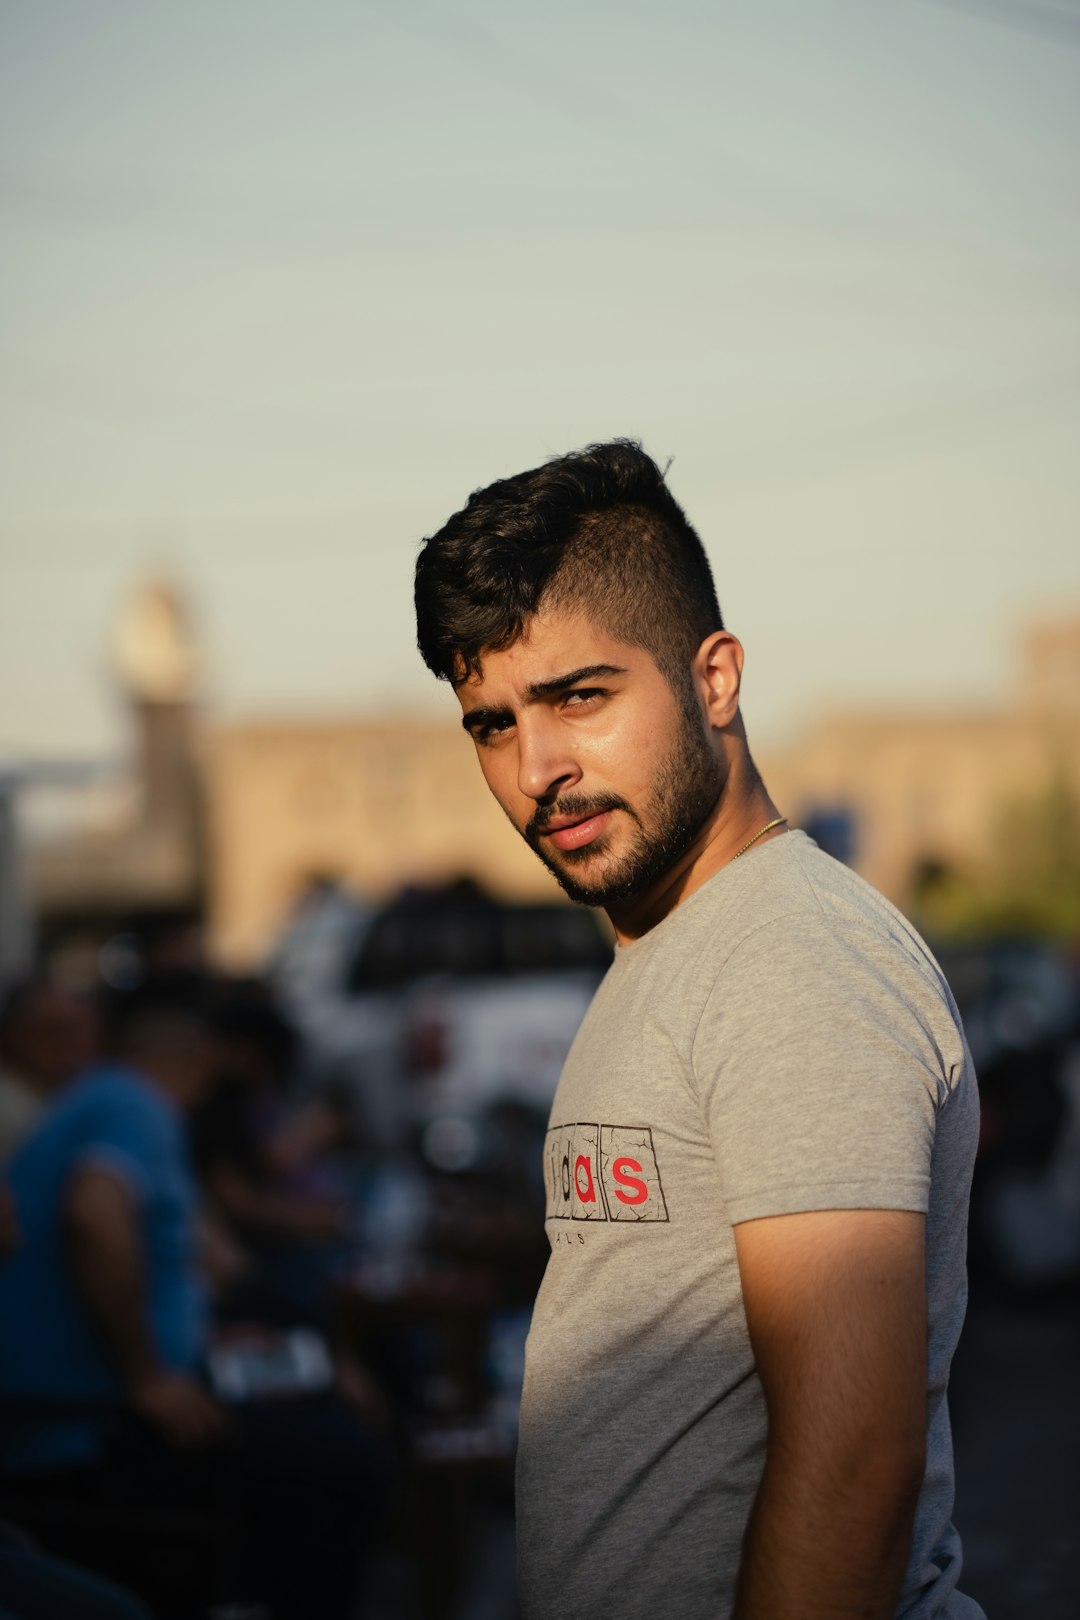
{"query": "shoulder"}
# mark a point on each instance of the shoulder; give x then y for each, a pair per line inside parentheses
(110, 1091)
(815, 914)
(822, 965)
(114, 1108)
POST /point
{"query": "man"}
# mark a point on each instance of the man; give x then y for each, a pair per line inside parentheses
(760, 1150)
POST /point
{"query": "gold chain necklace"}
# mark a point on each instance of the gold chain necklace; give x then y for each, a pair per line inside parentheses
(768, 827)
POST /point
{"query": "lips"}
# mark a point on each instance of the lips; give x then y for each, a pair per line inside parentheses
(576, 834)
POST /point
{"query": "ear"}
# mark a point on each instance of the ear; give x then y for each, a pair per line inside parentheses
(717, 668)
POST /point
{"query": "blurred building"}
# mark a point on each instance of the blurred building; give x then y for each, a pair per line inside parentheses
(236, 821)
(124, 840)
(898, 792)
(239, 820)
(372, 804)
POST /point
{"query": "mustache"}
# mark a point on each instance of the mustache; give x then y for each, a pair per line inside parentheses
(570, 804)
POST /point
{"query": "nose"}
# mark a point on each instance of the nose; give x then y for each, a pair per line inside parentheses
(546, 764)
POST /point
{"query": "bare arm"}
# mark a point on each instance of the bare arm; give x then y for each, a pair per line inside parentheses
(10, 1234)
(105, 1257)
(836, 1308)
(316, 1128)
(264, 1212)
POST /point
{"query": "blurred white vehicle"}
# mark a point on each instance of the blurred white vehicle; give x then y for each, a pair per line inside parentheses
(437, 1008)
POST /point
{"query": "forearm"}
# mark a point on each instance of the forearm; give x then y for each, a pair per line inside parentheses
(262, 1212)
(105, 1262)
(828, 1537)
(312, 1130)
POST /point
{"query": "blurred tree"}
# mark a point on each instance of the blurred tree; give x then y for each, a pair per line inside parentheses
(1032, 887)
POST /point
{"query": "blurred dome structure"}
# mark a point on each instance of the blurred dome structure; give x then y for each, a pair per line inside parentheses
(128, 841)
(154, 653)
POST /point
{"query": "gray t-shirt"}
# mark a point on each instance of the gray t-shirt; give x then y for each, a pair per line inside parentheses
(783, 1041)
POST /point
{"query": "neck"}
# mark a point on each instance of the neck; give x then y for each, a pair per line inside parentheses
(743, 809)
(165, 1076)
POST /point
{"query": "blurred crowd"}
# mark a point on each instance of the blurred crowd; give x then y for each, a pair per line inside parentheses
(258, 1322)
(268, 1246)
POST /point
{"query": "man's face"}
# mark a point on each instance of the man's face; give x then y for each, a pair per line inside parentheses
(589, 752)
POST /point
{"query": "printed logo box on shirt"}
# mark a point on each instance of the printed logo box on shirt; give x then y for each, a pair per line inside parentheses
(596, 1172)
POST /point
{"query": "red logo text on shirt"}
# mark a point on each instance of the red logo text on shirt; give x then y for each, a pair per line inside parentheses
(596, 1172)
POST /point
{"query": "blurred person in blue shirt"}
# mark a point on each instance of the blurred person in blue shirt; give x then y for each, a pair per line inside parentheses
(103, 1302)
(103, 1298)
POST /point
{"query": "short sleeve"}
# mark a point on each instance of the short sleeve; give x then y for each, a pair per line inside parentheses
(819, 1062)
(125, 1137)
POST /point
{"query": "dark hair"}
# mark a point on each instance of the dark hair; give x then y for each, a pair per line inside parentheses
(17, 999)
(155, 1013)
(597, 530)
(244, 1013)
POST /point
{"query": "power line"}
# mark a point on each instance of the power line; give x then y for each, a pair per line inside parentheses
(954, 424)
(1059, 23)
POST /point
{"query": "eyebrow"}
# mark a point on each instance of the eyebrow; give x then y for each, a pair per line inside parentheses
(537, 691)
(558, 683)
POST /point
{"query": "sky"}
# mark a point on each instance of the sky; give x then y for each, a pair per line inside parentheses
(281, 283)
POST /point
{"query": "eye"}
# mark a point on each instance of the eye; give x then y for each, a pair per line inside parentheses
(583, 697)
(492, 730)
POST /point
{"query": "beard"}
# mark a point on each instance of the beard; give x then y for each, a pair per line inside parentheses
(687, 786)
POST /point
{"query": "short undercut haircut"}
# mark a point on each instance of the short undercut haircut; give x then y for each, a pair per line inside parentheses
(597, 531)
